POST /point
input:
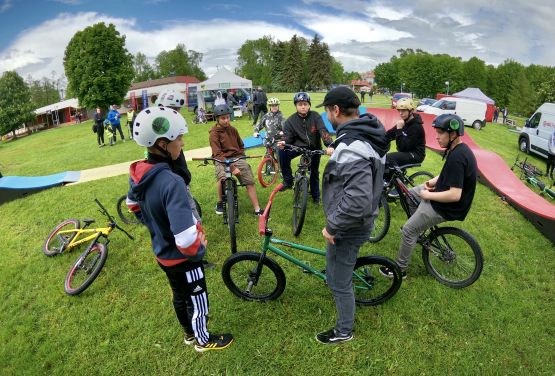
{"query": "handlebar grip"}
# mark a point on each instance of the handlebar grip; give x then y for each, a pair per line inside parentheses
(198, 159)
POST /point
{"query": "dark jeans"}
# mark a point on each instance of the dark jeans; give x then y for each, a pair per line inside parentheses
(258, 108)
(118, 127)
(550, 165)
(399, 158)
(285, 157)
(100, 134)
(190, 297)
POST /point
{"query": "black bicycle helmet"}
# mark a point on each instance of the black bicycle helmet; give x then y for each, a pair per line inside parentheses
(222, 109)
(301, 97)
(449, 122)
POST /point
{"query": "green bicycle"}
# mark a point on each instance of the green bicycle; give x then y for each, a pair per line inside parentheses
(256, 277)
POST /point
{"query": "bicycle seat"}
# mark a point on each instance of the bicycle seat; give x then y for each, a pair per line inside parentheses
(88, 221)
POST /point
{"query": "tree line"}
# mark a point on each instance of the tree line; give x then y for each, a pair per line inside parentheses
(521, 88)
(294, 65)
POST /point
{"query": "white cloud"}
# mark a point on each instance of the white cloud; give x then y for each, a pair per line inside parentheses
(40, 50)
(69, 2)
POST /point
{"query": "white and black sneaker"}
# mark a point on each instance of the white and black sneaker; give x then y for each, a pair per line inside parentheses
(331, 336)
(219, 208)
(386, 272)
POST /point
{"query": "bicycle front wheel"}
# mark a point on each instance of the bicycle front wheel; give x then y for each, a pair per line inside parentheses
(252, 276)
(370, 286)
(231, 214)
(268, 171)
(126, 215)
(419, 177)
(453, 257)
(86, 269)
(382, 221)
(55, 242)
(300, 199)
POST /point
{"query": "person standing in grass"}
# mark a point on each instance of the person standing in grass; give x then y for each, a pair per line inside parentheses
(446, 197)
(99, 127)
(130, 119)
(352, 186)
(114, 118)
(550, 156)
(178, 239)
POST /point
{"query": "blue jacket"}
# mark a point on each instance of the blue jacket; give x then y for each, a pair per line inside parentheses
(157, 197)
(113, 116)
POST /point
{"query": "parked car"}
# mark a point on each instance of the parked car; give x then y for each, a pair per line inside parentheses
(537, 130)
(398, 96)
(472, 112)
(425, 102)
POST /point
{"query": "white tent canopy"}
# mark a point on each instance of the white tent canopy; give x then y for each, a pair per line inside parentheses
(474, 93)
(224, 79)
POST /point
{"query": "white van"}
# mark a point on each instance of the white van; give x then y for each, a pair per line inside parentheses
(537, 130)
(471, 111)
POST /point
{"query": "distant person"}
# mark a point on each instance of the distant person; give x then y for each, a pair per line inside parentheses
(272, 122)
(362, 94)
(109, 129)
(505, 114)
(495, 114)
(371, 94)
(550, 156)
(259, 100)
(99, 127)
(219, 101)
(114, 118)
(231, 102)
(130, 118)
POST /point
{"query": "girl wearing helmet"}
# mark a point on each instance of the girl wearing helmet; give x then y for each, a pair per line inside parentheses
(272, 121)
(446, 197)
(409, 136)
(178, 240)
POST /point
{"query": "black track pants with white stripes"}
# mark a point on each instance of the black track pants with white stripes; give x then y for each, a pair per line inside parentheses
(190, 297)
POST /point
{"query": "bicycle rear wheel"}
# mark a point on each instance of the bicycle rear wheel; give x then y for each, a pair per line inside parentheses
(370, 286)
(453, 257)
(126, 215)
(231, 213)
(254, 277)
(268, 171)
(419, 177)
(55, 242)
(300, 199)
(85, 270)
(382, 221)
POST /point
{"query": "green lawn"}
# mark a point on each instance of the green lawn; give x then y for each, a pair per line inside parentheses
(124, 323)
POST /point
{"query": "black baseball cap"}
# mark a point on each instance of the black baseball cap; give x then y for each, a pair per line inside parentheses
(341, 96)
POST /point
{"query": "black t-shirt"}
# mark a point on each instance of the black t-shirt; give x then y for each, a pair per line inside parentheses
(459, 171)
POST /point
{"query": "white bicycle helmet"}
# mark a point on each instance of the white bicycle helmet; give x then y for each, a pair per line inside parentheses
(170, 98)
(158, 122)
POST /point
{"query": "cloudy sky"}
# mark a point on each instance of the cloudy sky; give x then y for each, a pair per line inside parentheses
(361, 34)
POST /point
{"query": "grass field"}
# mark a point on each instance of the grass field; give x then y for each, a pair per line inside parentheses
(124, 323)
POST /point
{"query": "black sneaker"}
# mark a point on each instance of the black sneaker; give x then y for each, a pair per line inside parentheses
(386, 272)
(208, 265)
(330, 336)
(215, 342)
(286, 187)
(220, 208)
(393, 194)
(316, 200)
(259, 212)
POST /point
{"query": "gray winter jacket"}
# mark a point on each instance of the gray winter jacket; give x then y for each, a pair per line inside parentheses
(353, 178)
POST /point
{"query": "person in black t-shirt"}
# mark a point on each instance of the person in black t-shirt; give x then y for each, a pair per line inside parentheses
(446, 197)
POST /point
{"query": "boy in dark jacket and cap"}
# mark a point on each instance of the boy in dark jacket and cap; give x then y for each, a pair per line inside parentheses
(352, 185)
(178, 240)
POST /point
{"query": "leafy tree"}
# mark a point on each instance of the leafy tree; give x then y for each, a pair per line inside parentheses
(546, 91)
(15, 103)
(43, 92)
(254, 61)
(522, 99)
(294, 63)
(319, 63)
(337, 72)
(474, 73)
(98, 66)
(277, 65)
(180, 62)
(142, 69)
(387, 74)
(505, 76)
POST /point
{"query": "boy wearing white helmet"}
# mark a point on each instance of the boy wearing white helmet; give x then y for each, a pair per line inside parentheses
(178, 239)
(272, 121)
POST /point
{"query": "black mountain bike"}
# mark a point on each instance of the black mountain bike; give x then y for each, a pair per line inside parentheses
(301, 184)
(229, 195)
(389, 194)
(451, 255)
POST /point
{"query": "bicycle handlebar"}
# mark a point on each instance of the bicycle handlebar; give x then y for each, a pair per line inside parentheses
(304, 150)
(111, 219)
(225, 161)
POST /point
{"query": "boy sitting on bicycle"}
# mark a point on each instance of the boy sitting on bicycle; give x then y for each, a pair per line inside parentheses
(446, 197)
(306, 129)
(272, 121)
(178, 239)
(227, 144)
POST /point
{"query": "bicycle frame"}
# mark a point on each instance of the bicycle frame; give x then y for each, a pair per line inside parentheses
(96, 233)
